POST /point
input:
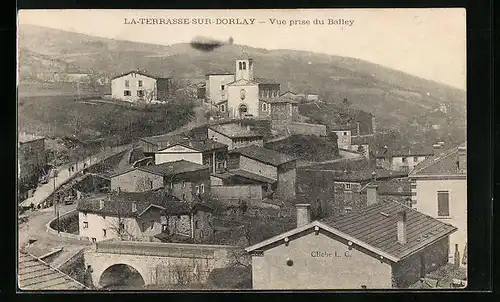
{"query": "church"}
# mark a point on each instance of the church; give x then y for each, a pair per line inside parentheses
(241, 94)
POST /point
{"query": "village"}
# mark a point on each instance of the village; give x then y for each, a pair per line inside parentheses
(229, 204)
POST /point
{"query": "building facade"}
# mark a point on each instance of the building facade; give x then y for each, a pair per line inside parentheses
(384, 246)
(216, 86)
(401, 158)
(269, 164)
(204, 152)
(134, 217)
(136, 86)
(185, 180)
(439, 189)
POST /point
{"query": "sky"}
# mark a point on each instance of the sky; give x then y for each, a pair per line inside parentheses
(429, 43)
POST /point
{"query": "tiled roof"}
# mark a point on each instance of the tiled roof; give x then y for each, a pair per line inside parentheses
(398, 150)
(252, 176)
(360, 175)
(35, 274)
(202, 146)
(342, 127)
(264, 155)
(377, 226)
(242, 82)
(138, 72)
(399, 186)
(234, 131)
(265, 81)
(444, 163)
(173, 168)
(121, 204)
(164, 139)
(280, 99)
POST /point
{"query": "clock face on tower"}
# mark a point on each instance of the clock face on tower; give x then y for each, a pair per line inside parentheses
(242, 94)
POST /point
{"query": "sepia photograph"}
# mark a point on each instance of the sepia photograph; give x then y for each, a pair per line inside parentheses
(263, 149)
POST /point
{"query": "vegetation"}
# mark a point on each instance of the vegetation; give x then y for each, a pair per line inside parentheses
(307, 147)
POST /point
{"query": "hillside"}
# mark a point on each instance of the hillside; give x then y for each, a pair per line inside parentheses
(307, 147)
(394, 97)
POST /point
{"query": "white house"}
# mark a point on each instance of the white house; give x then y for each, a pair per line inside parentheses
(141, 217)
(439, 189)
(216, 86)
(137, 86)
(344, 134)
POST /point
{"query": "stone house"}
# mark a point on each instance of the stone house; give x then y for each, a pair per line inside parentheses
(150, 145)
(269, 164)
(143, 216)
(204, 152)
(183, 179)
(402, 158)
(383, 246)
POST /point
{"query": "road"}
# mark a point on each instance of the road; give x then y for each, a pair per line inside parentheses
(63, 175)
(35, 229)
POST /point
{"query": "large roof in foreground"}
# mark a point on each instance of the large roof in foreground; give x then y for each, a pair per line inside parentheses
(35, 274)
(375, 228)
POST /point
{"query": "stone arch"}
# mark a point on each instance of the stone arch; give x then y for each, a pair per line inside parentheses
(109, 270)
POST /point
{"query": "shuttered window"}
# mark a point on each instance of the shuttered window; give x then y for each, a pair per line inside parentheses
(443, 203)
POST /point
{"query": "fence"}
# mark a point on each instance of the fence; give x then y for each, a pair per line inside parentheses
(252, 192)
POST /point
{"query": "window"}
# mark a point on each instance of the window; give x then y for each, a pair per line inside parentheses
(140, 83)
(403, 159)
(244, 65)
(415, 159)
(103, 232)
(127, 83)
(140, 93)
(197, 190)
(183, 184)
(202, 188)
(264, 107)
(183, 196)
(347, 210)
(94, 240)
(347, 186)
(121, 227)
(345, 133)
(126, 93)
(196, 225)
(151, 184)
(221, 87)
(163, 228)
(443, 203)
(222, 108)
(85, 225)
(240, 65)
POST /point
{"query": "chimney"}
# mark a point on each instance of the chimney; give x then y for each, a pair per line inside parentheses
(134, 207)
(371, 194)
(462, 159)
(303, 214)
(456, 258)
(401, 227)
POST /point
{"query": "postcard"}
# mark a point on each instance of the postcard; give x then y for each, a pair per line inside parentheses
(286, 149)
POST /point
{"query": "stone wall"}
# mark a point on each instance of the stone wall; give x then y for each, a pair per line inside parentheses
(161, 263)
